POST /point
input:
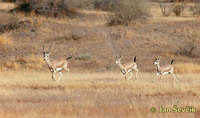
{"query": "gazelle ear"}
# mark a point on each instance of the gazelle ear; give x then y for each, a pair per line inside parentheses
(159, 58)
(156, 58)
(50, 52)
(135, 59)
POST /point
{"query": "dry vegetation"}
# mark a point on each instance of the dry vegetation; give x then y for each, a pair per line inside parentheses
(5, 41)
(183, 68)
(96, 89)
(32, 94)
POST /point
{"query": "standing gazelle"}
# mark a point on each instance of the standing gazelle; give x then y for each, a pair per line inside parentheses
(168, 69)
(127, 67)
(57, 65)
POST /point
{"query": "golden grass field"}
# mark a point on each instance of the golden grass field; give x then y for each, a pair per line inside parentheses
(32, 94)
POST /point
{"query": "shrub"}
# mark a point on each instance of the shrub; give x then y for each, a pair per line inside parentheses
(129, 10)
(178, 9)
(82, 4)
(106, 5)
(8, 22)
(8, 0)
(196, 9)
(53, 8)
(187, 48)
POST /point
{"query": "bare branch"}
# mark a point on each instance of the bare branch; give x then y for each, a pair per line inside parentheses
(165, 11)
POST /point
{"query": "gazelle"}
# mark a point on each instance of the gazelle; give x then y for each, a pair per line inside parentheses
(127, 67)
(57, 65)
(168, 69)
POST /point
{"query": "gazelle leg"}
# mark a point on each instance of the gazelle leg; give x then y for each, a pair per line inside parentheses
(136, 75)
(53, 77)
(60, 76)
(125, 76)
(155, 77)
(67, 73)
(161, 77)
(174, 76)
(130, 75)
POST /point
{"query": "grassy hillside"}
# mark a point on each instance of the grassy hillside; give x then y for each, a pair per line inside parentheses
(90, 35)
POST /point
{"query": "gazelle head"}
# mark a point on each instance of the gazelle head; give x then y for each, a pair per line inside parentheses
(117, 61)
(46, 54)
(157, 60)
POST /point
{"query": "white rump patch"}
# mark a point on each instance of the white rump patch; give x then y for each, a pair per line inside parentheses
(164, 73)
(58, 69)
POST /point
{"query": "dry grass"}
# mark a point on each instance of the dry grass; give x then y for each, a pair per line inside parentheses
(31, 61)
(187, 68)
(5, 41)
(7, 6)
(32, 94)
(155, 10)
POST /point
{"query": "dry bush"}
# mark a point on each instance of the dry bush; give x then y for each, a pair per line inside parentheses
(178, 9)
(129, 10)
(82, 4)
(52, 8)
(167, 9)
(188, 47)
(196, 9)
(184, 68)
(8, 0)
(8, 22)
(106, 5)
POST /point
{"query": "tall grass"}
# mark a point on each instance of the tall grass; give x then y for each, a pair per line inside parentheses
(32, 94)
(29, 62)
(185, 68)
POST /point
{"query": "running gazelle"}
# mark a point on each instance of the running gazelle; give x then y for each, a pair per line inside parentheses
(168, 69)
(127, 67)
(56, 65)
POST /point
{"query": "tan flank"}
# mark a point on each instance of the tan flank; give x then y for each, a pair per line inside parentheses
(127, 67)
(57, 65)
(167, 69)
